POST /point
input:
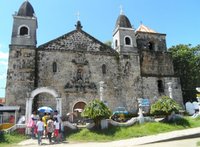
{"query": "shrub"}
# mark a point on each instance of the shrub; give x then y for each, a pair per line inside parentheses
(165, 106)
(97, 111)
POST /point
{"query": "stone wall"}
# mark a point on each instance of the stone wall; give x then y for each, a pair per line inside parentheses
(20, 75)
(151, 90)
(75, 63)
(79, 73)
(151, 41)
(156, 63)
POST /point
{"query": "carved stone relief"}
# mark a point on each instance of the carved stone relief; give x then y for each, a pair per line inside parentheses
(80, 81)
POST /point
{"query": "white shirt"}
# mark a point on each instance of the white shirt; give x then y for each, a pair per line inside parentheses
(58, 118)
(34, 117)
(40, 125)
(57, 125)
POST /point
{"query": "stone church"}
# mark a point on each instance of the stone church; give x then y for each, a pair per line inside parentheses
(68, 72)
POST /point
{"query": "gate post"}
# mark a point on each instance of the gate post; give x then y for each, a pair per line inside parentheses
(59, 105)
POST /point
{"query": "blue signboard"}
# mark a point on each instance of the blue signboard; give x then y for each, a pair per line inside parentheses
(145, 102)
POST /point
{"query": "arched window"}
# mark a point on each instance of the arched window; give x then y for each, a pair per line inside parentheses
(104, 69)
(151, 46)
(23, 31)
(54, 67)
(116, 43)
(127, 41)
(160, 86)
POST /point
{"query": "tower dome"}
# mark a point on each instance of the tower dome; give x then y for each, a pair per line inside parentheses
(123, 21)
(26, 9)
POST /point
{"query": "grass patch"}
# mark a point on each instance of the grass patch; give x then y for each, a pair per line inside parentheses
(12, 138)
(113, 133)
(117, 133)
(198, 144)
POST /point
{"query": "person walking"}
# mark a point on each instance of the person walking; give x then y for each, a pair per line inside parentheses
(40, 130)
(50, 129)
(57, 127)
(34, 118)
(61, 129)
(56, 115)
(45, 118)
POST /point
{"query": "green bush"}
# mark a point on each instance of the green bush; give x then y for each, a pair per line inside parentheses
(164, 106)
(97, 111)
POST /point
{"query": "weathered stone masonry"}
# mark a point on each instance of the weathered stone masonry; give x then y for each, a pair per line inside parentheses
(138, 66)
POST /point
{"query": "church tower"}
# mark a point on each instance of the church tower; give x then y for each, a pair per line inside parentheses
(21, 66)
(124, 40)
(24, 26)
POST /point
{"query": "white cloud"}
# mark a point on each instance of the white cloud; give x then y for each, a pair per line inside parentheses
(3, 55)
(4, 63)
(3, 76)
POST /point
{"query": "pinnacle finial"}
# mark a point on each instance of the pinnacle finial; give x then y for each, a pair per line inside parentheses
(78, 25)
(121, 10)
(78, 16)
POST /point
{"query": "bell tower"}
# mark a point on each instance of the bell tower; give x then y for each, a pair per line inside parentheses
(24, 26)
(22, 52)
(124, 39)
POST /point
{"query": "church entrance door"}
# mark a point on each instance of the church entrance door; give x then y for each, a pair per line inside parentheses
(51, 91)
(77, 109)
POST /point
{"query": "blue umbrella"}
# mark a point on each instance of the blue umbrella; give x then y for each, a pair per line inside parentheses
(45, 109)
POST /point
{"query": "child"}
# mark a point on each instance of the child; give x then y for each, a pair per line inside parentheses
(50, 129)
(57, 127)
(40, 129)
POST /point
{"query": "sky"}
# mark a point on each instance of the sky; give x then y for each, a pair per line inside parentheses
(178, 19)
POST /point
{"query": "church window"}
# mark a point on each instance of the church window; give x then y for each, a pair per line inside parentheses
(104, 69)
(151, 46)
(54, 67)
(160, 86)
(23, 31)
(127, 40)
(116, 43)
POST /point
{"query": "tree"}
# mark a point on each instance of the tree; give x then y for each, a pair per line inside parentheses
(165, 106)
(97, 111)
(108, 43)
(186, 61)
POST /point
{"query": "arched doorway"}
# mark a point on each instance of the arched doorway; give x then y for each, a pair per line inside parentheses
(77, 109)
(53, 92)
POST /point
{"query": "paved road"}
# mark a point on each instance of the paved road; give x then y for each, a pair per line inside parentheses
(123, 143)
(192, 142)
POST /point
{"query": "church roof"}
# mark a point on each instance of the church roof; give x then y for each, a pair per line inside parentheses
(77, 40)
(143, 28)
(26, 9)
(123, 21)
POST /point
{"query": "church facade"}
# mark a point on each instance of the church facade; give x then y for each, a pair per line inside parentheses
(74, 65)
